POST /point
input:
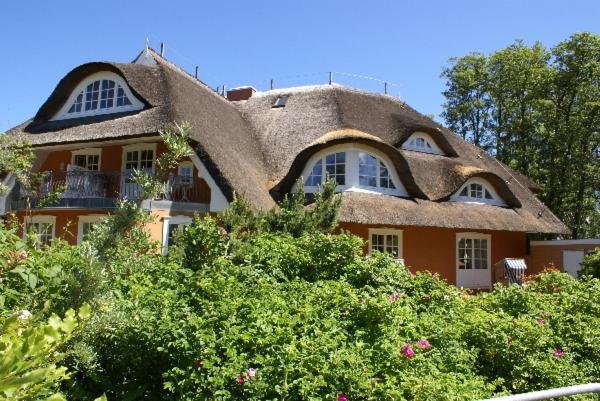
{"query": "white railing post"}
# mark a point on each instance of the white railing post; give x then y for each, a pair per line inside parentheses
(551, 393)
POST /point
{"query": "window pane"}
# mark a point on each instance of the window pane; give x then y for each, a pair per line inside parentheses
(367, 170)
(464, 192)
(80, 161)
(335, 167)
(316, 175)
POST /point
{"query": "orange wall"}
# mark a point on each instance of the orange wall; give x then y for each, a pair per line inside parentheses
(542, 256)
(434, 249)
(67, 221)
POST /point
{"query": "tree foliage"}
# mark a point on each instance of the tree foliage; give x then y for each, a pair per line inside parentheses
(537, 110)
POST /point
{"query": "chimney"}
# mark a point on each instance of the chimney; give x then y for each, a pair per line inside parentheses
(241, 93)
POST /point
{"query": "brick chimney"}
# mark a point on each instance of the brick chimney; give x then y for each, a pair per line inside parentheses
(241, 93)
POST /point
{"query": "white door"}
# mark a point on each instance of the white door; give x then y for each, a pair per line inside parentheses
(135, 160)
(473, 267)
(572, 262)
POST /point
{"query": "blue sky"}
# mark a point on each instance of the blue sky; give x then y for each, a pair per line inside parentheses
(249, 42)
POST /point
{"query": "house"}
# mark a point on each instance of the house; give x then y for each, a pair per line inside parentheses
(409, 186)
(564, 255)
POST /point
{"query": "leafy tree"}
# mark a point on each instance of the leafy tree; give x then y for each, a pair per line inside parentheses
(537, 110)
(591, 264)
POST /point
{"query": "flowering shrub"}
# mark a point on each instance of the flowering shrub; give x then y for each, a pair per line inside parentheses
(297, 315)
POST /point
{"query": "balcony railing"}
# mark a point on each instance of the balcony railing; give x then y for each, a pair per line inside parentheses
(98, 189)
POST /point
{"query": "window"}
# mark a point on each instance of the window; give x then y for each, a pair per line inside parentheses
(139, 159)
(354, 169)
(281, 101)
(43, 227)
(186, 173)
(86, 226)
(100, 93)
(473, 252)
(87, 159)
(372, 172)
(422, 142)
(477, 190)
(386, 241)
(171, 225)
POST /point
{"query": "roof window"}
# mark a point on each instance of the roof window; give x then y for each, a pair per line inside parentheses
(281, 101)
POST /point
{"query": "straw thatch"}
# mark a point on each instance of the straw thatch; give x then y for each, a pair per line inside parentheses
(258, 151)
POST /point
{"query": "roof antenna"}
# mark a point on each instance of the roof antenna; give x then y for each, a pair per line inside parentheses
(162, 49)
(196, 74)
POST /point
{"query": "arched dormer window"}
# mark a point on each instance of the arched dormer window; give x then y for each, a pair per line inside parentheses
(355, 168)
(422, 142)
(100, 93)
(478, 190)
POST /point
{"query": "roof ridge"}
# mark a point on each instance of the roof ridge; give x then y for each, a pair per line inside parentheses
(161, 60)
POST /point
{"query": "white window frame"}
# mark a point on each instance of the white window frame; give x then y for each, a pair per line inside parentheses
(63, 113)
(388, 231)
(39, 219)
(180, 221)
(435, 150)
(88, 152)
(473, 236)
(87, 218)
(352, 183)
(186, 164)
(495, 201)
(139, 147)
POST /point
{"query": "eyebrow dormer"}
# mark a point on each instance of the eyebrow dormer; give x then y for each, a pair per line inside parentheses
(422, 142)
(103, 92)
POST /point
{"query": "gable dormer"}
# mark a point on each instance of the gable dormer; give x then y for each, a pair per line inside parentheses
(103, 92)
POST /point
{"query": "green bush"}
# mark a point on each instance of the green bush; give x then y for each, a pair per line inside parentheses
(272, 313)
(591, 264)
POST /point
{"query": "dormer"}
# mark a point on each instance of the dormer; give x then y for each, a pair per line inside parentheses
(478, 190)
(103, 92)
(422, 142)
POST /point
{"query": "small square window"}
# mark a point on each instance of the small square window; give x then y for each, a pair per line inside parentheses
(281, 101)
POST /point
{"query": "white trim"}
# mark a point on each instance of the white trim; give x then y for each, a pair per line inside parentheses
(63, 114)
(488, 279)
(388, 231)
(496, 201)
(87, 218)
(559, 242)
(434, 150)
(218, 201)
(40, 218)
(88, 152)
(352, 170)
(179, 220)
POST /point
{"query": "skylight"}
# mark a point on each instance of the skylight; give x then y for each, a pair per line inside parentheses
(281, 101)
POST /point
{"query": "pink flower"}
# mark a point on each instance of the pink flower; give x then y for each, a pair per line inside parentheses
(342, 397)
(407, 350)
(395, 296)
(251, 373)
(509, 341)
(224, 232)
(541, 322)
(23, 255)
(423, 343)
(558, 353)
(24, 315)
(240, 379)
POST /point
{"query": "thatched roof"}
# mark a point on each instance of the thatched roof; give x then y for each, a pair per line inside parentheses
(258, 151)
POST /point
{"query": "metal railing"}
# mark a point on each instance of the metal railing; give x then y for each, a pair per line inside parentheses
(551, 393)
(100, 189)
